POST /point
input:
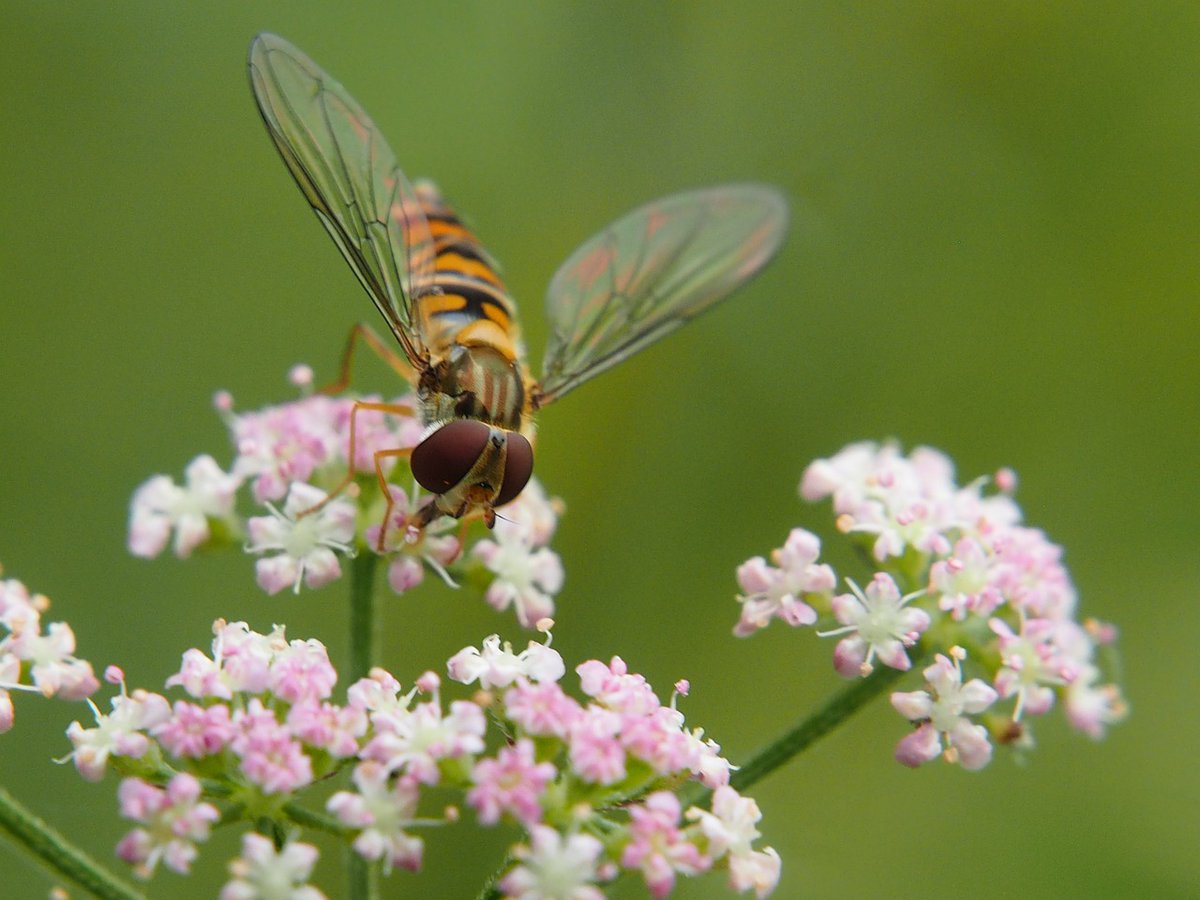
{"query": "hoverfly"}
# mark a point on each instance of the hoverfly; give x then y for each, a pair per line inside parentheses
(438, 291)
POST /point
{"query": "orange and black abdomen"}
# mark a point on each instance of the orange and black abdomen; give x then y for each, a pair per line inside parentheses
(472, 307)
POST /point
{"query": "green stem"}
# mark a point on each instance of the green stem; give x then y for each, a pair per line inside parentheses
(363, 876)
(363, 632)
(808, 730)
(60, 856)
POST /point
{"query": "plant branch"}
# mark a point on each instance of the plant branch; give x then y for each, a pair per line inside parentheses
(58, 854)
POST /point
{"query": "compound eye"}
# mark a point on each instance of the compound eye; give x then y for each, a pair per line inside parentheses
(444, 458)
(518, 466)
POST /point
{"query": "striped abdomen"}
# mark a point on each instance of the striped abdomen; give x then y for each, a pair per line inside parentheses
(472, 307)
(469, 325)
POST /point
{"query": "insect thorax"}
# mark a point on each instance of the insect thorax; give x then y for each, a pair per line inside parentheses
(474, 383)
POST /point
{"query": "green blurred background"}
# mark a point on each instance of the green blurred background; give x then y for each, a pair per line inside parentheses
(994, 252)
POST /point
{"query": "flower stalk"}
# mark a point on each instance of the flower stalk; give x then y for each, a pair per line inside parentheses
(58, 854)
(362, 874)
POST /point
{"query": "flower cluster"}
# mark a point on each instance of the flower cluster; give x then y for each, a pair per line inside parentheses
(36, 659)
(958, 573)
(253, 725)
(292, 461)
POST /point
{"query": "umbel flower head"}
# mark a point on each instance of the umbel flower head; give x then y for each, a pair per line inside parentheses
(959, 577)
(247, 726)
(288, 459)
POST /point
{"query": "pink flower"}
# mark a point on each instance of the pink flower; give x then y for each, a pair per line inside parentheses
(241, 662)
(878, 624)
(943, 712)
(414, 741)
(533, 515)
(270, 757)
(966, 581)
(378, 692)
(595, 750)
(1092, 707)
(658, 847)
(52, 666)
(778, 591)
(1031, 576)
(195, 731)
(614, 687)
(302, 672)
(658, 738)
(904, 501)
(175, 821)
(541, 710)
(512, 783)
(437, 545)
(18, 610)
(334, 729)
(1031, 662)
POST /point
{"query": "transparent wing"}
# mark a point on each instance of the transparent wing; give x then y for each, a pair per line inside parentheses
(651, 271)
(349, 175)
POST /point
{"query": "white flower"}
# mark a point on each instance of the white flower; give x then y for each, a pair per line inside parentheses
(878, 624)
(554, 869)
(497, 666)
(526, 575)
(382, 811)
(730, 829)
(160, 505)
(261, 873)
(306, 543)
(943, 712)
(118, 733)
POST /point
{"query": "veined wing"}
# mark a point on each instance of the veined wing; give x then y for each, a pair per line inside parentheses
(651, 271)
(349, 175)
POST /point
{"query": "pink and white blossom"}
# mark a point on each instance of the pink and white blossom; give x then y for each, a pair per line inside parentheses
(382, 807)
(730, 828)
(174, 820)
(877, 623)
(160, 507)
(527, 576)
(658, 847)
(119, 733)
(778, 591)
(304, 544)
(943, 712)
(496, 665)
(513, 782)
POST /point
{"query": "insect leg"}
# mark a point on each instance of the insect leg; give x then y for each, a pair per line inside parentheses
(378, 345)
(397, 409)
(380, 455)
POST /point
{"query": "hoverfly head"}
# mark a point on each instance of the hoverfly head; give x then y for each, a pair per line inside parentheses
(467, 450)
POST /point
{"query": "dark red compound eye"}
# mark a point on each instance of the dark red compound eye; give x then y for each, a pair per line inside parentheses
(444, 458)
(518, 466)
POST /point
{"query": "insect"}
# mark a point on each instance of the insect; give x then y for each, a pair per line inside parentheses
(439, 293)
